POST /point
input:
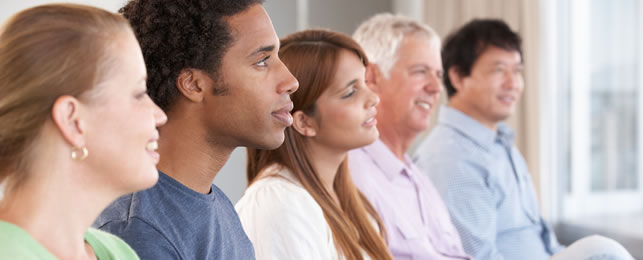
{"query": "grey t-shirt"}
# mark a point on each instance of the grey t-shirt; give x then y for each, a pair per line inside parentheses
(172, 221)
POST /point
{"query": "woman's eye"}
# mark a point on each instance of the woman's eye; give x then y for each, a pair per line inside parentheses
(350, 93)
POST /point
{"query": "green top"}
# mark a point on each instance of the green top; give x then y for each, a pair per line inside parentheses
(16, 243)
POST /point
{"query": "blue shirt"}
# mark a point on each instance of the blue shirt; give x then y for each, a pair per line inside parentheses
(172, 221)
(486, 186)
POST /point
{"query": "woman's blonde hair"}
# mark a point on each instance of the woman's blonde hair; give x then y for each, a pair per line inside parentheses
(312, 57)
(47, 52)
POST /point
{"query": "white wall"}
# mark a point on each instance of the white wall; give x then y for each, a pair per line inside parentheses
(342, 15)
(9, 7)
(283, 14)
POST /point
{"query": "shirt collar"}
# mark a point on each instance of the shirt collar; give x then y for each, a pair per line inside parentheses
(505, 134)
(474, 130)
(384, 158)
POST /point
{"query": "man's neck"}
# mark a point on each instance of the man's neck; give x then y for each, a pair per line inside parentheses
(189, 158)
(396, 140)
(472, 113)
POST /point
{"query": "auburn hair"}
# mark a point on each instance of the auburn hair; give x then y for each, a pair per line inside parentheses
(312, 57)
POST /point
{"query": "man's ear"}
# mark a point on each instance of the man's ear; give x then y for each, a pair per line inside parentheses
(191, 83)
(303, 124)
(373, 77)
(66, 116)
(456, 78)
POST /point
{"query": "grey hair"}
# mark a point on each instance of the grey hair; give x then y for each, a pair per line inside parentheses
(381, 36)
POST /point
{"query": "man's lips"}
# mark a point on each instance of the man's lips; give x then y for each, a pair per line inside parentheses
(424, 104)
(283, 114)
(507, 99)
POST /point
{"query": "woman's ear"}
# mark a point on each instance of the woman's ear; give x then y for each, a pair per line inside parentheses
(66, 116)
(304, 124)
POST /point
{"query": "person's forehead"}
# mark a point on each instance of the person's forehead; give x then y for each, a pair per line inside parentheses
(252, 28)
(413, 43)
(493, 52)
(349, 67)
(417, 49)
(126, 60)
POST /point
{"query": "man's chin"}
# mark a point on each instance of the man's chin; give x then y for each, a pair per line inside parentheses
(419, 126)
(505, 114)
(268, 143)
(500, 118)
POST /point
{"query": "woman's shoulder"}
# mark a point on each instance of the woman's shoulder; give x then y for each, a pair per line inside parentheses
(16, 243)
(277, 188)
(108, 246)
(278, 181)
(277, 197)
(283, 220)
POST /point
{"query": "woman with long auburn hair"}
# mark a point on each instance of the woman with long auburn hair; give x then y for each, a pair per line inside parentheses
(77, 130)
(301, 202)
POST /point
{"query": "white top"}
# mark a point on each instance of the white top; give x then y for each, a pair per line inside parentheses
(283, 221)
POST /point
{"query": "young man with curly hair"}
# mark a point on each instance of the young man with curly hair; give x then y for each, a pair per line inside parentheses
(213, 68)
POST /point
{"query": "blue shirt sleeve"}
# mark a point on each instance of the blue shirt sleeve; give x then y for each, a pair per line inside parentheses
(145, 239)
(472, 202)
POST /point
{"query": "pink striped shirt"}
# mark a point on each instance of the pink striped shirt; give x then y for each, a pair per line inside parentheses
(415, 217)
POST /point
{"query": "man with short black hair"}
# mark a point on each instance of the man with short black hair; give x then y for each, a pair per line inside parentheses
(471, 157)
(213, 68)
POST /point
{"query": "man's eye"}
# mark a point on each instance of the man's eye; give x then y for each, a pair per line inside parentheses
(263, 62)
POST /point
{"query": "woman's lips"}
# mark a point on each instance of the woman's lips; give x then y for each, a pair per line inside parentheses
(370, 122)
(151, 148)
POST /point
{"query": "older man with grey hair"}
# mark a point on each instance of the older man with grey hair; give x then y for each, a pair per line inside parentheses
(406, 72)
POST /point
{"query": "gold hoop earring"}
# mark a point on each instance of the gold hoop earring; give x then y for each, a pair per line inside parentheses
(79, 153)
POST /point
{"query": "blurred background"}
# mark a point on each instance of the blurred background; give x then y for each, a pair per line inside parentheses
(579, 121)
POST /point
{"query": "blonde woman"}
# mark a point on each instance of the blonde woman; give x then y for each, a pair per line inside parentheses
(78, 130)
(301, 203)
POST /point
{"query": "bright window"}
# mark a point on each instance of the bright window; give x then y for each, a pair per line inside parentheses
(597, 116)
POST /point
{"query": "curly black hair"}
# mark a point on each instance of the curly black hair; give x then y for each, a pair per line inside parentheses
(463, 47)
(180, 34)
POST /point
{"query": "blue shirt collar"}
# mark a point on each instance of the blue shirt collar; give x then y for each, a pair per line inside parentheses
(474, 130)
